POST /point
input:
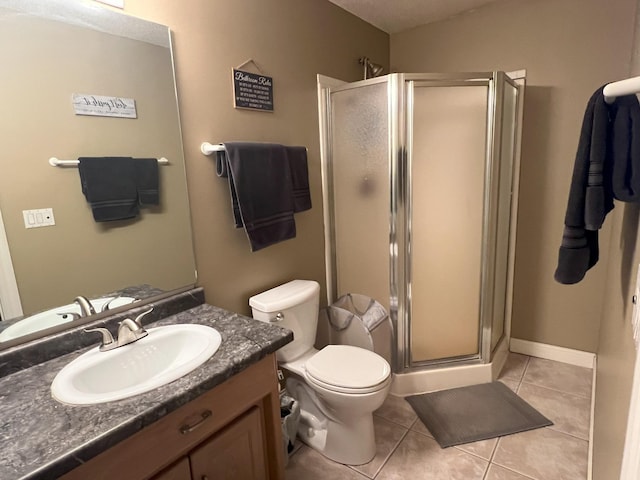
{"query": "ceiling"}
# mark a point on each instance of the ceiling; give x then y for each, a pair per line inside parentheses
(393, 16)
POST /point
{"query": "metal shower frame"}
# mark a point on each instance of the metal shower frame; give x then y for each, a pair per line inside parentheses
(400, 90)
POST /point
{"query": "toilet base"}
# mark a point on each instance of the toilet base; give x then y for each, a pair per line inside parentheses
(349, 440)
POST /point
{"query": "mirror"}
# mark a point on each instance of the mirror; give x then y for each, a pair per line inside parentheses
(51, 50)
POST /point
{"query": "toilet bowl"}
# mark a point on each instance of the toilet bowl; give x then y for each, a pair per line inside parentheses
(338, 387)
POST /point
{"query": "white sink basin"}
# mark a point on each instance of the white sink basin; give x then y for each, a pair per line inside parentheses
(56, 316)
(163, 356)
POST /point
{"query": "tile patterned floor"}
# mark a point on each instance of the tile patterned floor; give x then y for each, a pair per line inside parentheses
(406, 449)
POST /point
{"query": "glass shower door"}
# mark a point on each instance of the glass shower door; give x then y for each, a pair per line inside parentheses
(359, 178)
(447, 144)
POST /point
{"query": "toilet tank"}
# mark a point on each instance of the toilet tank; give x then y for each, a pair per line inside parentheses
(293, 305)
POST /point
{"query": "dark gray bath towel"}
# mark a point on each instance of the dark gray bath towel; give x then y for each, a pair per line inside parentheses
(261, 191)
(109, 185)
(299, 178)
(590, 196)
(625, 148)
(607, 166)
(147, 181)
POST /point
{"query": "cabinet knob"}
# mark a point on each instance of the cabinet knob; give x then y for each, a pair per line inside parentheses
(190, 427)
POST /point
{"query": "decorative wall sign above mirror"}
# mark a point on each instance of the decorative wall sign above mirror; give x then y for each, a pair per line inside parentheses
(51, 49)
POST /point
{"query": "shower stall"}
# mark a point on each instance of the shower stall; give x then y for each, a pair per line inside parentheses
(419, 179)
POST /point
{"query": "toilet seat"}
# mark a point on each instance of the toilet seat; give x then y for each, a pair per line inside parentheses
(347, 369)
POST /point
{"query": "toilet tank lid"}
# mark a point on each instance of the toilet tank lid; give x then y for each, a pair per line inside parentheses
(285, 296)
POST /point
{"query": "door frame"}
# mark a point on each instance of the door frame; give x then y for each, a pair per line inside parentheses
(10, 304)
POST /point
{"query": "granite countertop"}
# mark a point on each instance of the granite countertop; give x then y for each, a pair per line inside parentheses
(42, 438)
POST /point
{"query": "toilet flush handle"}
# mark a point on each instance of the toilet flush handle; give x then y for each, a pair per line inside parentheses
(278, 318)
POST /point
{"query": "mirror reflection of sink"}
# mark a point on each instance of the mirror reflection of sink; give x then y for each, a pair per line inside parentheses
(57, 316)
(163, 356)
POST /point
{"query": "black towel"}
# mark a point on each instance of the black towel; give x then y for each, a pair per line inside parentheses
(109, 185)
(299, 178)
(147, 181)
(261, 192)
(590, 195)
(625, 148)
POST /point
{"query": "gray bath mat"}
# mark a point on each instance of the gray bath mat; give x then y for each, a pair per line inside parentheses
(477, 412)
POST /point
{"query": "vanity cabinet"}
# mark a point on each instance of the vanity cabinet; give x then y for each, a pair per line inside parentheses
(231, 432)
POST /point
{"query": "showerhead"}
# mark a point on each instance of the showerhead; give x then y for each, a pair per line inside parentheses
(371, 70)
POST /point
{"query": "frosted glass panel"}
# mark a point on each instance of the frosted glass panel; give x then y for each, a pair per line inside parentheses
(360, 132)
(504, 211)
(449, 132)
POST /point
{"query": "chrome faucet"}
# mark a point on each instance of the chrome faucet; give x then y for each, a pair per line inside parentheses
(85, 306)
(129, 331)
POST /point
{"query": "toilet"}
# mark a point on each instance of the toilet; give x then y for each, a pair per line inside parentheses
(338, 387)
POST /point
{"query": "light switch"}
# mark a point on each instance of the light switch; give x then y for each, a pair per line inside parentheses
(41, 217)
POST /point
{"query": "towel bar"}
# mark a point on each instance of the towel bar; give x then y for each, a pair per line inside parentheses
(208, 148)
(628, 86)
(55, 162)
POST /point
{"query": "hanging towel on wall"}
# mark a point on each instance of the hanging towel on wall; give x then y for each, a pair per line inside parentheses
(607, 165)
(109, 185)
(299, 178)
(587, 200)
(261, 191)
(147, 181)
(625, 148)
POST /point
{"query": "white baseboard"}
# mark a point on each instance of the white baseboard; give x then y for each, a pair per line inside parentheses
(553, 352)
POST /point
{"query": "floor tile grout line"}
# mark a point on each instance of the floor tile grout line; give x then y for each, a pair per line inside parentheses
(495, 449)
(568, 434)
(486, 471)
(524, 372)
(423, 434)
(513, 471)
(386, 460)
(556, 390)
(457, 447)
(296, 450)
(395, 422)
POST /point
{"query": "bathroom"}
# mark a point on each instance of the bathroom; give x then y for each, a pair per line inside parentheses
(294, 40)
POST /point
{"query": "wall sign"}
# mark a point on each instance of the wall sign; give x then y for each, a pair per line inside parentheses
(252, 91)
(101, 106)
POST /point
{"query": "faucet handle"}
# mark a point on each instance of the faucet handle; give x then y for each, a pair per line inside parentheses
(107, 305)
(139, 317)
(107, 339)
(130, 331)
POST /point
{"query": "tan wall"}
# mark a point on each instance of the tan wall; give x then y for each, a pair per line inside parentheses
(51, 61)
(569, 48)
(291, 41)
(616, 349)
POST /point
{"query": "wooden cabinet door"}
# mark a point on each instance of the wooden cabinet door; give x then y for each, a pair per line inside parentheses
(178, 471)
(235, 453)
